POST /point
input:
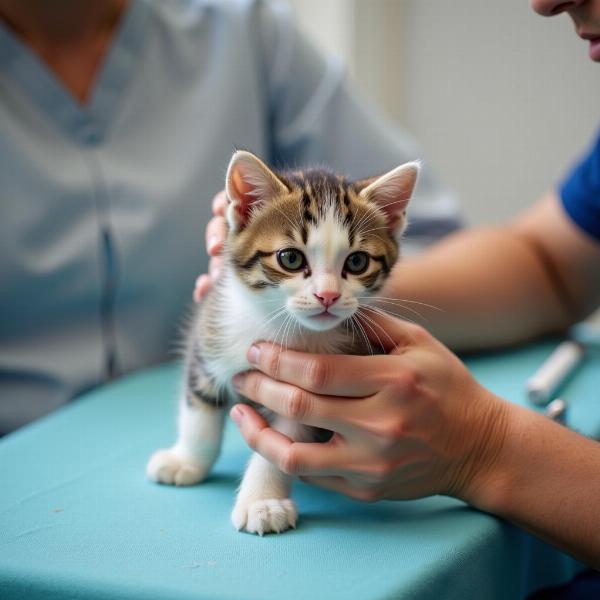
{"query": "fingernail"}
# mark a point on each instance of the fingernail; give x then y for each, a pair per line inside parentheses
(237, 380)
(236, 415)
(212, 242)
(254, 355)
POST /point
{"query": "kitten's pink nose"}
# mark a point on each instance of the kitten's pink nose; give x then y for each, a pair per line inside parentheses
(327, 298)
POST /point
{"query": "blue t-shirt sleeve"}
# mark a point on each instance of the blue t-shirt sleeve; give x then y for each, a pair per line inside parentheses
(580, 192)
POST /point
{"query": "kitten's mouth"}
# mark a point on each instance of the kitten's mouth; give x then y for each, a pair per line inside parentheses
(325, 316)
(322, 321)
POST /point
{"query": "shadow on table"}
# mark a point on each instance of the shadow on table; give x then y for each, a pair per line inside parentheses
(321, 508)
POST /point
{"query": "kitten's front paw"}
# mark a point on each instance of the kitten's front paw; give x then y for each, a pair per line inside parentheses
(167, 466)
(265, 516)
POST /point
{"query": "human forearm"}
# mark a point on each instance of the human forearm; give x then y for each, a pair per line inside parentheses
(488, 286)
(502, 285)
(552, 489)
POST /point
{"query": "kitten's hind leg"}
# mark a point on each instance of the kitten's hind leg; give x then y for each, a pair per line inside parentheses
(198, 443)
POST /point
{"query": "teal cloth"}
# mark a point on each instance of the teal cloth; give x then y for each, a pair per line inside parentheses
(78, 519)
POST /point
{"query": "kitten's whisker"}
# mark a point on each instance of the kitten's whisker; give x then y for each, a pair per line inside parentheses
(289, 321)
(370, 213)
(374, 324)
(366, 324)
(348, 324)
(405, 300)
(398, 307)
(362, 331)
(403, 318)
(286, 333)
(277, 314)
(355, 225)
(293, 334)
(352, 324)
(275, 311)
(375, 235)
(365, 231)
(383, 312)
(352, 227)
(275, 338)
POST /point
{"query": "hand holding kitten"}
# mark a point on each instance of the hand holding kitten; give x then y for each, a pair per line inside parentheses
(407, 424)
(215, 234)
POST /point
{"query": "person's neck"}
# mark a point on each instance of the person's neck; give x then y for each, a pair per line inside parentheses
(43, 24)
(70, 36)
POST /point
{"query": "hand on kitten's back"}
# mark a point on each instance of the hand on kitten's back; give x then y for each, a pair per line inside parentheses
(215, 234)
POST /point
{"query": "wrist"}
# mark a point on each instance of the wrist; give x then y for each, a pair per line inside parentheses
(518, 452)
(482, 473)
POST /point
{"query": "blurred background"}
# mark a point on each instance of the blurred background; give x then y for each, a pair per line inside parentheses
(501, 99)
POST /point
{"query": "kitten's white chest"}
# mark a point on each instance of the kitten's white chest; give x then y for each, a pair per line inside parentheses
(247, 320)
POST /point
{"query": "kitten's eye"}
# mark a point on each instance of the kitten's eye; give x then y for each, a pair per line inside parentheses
(357, 263)
(291, 259)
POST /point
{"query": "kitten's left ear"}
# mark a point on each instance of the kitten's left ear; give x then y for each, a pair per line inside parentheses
(392, 192)
(249, 183)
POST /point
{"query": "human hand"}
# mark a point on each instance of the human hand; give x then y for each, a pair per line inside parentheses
(216, 232)
(409, 423)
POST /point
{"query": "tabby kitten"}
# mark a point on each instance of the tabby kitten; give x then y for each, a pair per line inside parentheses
(304, 250)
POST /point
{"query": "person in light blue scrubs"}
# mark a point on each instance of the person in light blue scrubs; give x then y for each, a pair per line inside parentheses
(117, 121)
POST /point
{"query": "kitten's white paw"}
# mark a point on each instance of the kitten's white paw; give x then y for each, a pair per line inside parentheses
(167, 466)
(265, 516)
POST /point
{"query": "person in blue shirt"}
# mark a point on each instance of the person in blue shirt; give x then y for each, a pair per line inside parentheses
(414, 422)
(117, 121)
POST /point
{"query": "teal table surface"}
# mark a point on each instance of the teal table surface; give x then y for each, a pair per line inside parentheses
(78, 519)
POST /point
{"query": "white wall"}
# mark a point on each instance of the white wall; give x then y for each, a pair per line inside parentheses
(329, 23)
(501, 99)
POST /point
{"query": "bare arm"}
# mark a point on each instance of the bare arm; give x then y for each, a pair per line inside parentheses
(545, 480)
(502, 285)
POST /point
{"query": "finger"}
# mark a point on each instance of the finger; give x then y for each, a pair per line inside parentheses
(342, 486)
(293, 458)
(219, 204)
(388, 332)
(326, 374)
(203, 284)
(297, 404)
(216, 232)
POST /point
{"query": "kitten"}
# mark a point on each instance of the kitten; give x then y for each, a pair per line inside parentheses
(304, 250)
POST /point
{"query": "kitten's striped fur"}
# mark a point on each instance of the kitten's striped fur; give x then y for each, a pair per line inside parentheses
(287, 220)
(304, 250)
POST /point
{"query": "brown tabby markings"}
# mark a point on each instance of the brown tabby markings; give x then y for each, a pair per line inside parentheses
(286, 221)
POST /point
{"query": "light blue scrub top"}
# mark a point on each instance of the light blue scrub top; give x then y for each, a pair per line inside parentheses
(103, 206)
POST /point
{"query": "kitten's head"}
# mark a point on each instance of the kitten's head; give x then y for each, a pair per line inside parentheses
(311, 242)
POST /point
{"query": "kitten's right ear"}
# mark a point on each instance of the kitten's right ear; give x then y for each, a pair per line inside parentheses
(249, 183)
